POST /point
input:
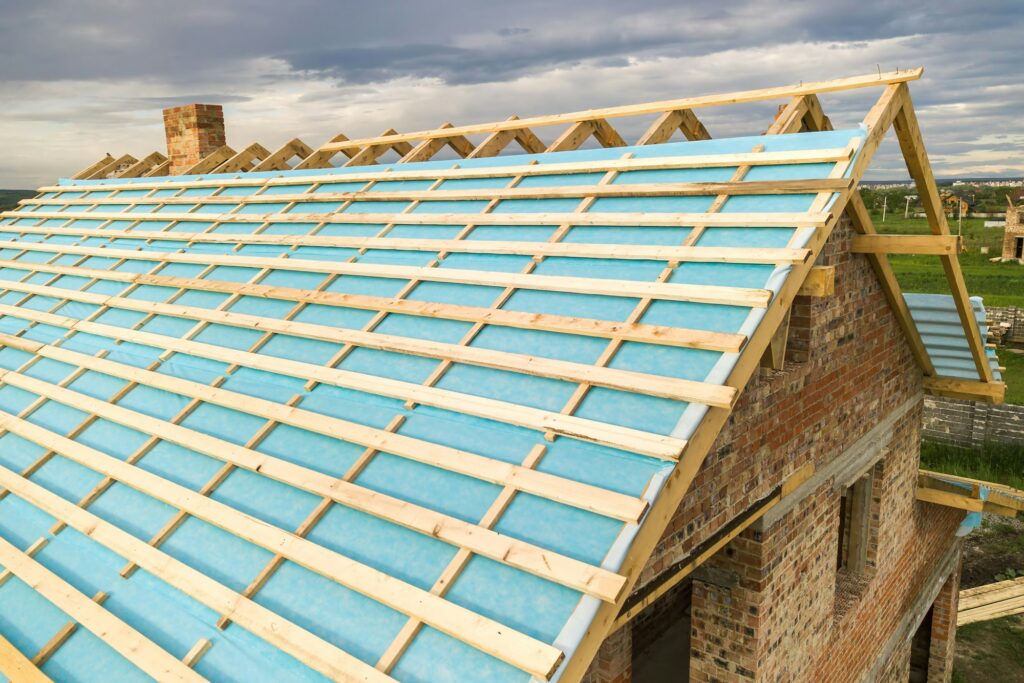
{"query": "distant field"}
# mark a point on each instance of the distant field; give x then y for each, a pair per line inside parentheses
(1000, 284)
(9, 198)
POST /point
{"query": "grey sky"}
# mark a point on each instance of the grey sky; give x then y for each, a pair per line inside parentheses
(79, 78)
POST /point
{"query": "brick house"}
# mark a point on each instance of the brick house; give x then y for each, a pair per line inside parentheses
(603, 412)
(1013, 233)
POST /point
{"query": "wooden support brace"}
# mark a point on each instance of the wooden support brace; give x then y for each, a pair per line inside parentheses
(974, 390)
(141, 168)
(278, 160)
(775, 355)
(907, 244)
(244, 160)
(820, 282)
(211, 161)
(17, 667)
(89, 170)
(111, 167)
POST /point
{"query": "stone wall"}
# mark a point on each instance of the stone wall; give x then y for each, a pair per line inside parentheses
(791, 616)
(972, 423)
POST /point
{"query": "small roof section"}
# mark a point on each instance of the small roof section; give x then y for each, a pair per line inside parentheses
(939, 325)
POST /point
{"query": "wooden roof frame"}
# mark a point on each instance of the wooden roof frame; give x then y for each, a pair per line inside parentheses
(893, 109)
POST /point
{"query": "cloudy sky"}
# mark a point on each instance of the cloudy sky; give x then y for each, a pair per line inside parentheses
(79, 78)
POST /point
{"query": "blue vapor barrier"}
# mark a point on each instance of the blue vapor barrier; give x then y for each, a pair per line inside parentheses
(260, 321)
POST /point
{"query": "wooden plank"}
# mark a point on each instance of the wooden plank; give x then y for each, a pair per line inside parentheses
(623, 380)
(652, 334)
(876, 124)
(811, 156)
(762, 94)
(273, 628)
(112, 166)
(672, 220)
(655, 445)
(118, 635)
(142, 167)
(950, 500)
(522, 248)
(368, 154)
(193, 656)
(512, 647)
(161, 169)
(820, 282)
(58, 640)
(1010, 493)
(729, 296)
(244, 159)
(814, 119)
(522, 555)
(668, 189)
(576, 494)
(428, 148)
(210, 161)
(993, 392)
(861, 221)
(908, 134)
(278, 160)
(906, 244)
(497, 509)
(92, 168)
(17, 667)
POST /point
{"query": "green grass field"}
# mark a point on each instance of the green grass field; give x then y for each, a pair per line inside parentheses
(1000, 463)
(1000, 284)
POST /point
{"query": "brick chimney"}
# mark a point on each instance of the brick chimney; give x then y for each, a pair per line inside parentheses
(193, 132)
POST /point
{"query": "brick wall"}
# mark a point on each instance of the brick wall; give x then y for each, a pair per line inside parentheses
(1007, 323)
(193, 132)
(848, 368)
(943, 647)
(972, 423)
(1014, 229)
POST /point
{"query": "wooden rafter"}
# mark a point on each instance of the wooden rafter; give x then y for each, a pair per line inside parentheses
(908, 133)
(244, 160)
(877, 122)
(17, 667)
(862, 224)
(641, 109)
(144, 166)
(822, 218)
(121, 637)
(907, 244)
(210, 162)
(89, 170)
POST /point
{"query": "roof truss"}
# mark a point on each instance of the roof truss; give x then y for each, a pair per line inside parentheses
(801, 113)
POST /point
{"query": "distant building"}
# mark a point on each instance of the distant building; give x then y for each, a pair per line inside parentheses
(954, 204)
(1013, 233)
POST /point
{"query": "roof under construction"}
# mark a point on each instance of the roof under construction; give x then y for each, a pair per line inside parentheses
(420, 421)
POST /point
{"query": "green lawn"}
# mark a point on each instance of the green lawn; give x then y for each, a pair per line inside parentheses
(999, 463)
(1000, 284)
(1013, 375)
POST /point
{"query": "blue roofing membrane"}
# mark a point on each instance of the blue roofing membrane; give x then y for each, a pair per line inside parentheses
(539, 607)
(942, 334)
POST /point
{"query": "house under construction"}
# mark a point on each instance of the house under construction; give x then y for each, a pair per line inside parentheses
(419, 407)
